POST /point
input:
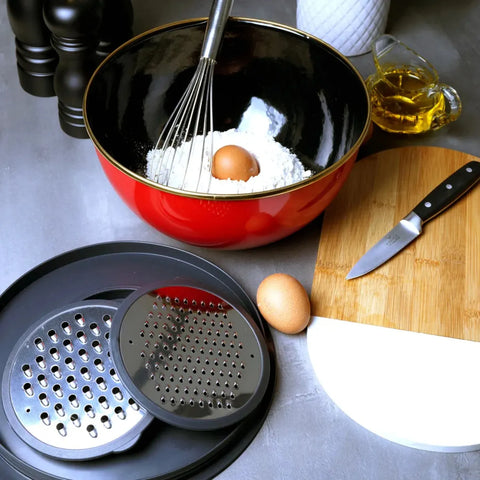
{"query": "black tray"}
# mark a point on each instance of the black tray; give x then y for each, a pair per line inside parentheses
(111, 271)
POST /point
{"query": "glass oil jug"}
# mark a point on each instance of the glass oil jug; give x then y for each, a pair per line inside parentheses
(405, 91)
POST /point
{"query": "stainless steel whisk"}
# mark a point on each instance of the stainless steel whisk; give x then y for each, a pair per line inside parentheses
(186, 129)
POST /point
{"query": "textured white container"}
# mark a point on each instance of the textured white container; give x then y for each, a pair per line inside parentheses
(350, 26)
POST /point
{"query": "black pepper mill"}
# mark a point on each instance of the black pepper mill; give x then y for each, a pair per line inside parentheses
(36, 59)
(74, 25)
(116, 26)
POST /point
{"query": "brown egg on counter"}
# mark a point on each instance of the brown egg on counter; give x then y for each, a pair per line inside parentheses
(284, 303)
(234, 163)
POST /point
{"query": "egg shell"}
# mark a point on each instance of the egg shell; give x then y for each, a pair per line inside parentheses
(284, 303)
(235, 163)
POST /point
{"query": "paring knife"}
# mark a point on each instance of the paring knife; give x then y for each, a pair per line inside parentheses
(410, 227)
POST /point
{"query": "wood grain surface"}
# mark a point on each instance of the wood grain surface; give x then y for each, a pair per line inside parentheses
(433, 285)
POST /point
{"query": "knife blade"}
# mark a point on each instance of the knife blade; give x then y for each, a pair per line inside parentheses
(410, 227)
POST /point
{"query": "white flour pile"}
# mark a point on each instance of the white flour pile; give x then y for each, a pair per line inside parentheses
(278, 166)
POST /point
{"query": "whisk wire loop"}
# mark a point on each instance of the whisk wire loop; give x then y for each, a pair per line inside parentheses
(175, 128)
(199, 109)
(186, 130)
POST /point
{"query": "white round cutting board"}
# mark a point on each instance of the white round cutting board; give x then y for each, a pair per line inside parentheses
(415, 389)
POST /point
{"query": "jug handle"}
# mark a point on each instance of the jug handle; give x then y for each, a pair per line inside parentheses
(453, 107)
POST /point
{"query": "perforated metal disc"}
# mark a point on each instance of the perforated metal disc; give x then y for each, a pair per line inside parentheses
(189, 357)
(60, 390)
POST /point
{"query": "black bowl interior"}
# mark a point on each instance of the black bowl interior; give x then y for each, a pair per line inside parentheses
(307, 95)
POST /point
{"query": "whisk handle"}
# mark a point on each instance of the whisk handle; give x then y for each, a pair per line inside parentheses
(219, 13)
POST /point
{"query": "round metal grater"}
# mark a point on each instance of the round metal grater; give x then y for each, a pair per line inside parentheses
(189, 357)
(61, 392)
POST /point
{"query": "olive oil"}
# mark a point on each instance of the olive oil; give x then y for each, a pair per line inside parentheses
(404, 100)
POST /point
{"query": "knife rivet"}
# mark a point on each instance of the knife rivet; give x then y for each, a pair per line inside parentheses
(448, 186)
(428, 204)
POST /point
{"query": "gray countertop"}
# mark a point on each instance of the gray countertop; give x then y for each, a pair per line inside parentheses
(55, 197)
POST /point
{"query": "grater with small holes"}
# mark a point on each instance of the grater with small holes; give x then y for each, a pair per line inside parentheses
(189, 357)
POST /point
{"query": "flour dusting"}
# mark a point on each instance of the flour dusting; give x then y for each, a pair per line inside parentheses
(279, 167)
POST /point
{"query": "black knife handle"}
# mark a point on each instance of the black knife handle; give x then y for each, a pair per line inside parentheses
(449, 191)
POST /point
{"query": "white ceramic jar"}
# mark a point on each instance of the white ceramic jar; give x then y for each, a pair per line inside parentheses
(350, 26)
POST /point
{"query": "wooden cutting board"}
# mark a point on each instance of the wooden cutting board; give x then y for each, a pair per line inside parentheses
(433, 285)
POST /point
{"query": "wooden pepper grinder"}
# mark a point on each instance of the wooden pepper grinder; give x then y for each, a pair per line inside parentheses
(116, 26)
(36, 59)
(74, 26)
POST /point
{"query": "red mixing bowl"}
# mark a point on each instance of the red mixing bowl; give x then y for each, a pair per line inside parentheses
(309, 94)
